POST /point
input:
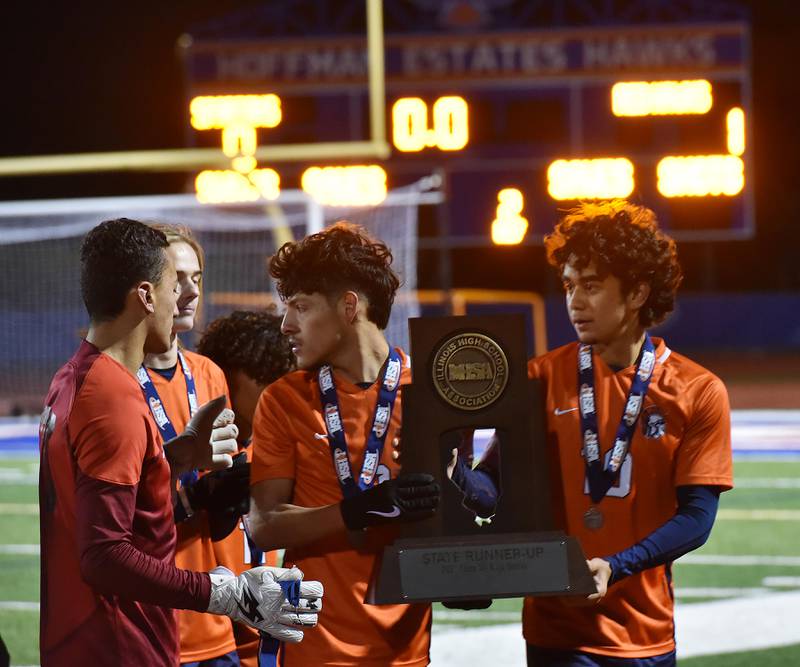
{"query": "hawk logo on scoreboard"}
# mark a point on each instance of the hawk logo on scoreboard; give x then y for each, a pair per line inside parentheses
(653, 423)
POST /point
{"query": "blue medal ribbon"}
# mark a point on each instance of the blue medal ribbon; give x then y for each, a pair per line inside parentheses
(377, 435)
(601, 477)
(160, 414)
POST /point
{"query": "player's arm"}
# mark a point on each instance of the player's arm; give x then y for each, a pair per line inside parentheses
(276, 523)
(112, 565)
(111, 454)
(702, 472)
(687, 530)
(480, 485)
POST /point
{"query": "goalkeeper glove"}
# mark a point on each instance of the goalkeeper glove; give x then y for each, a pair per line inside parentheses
(258, 598)
(407, 497)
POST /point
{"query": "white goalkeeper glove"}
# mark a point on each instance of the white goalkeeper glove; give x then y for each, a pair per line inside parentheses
(274, 600)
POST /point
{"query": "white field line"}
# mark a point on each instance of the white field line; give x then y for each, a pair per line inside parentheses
(461, 616)
(719, 592)
(758, 515)
(458, 616)
(11, 605)
(702, 628)
(19, 508)
(739, 560)
(27, 475)
(766, 483)
(20, 549)
(781, 582)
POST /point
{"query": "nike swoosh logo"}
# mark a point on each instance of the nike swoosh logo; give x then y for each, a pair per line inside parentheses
(321, 436)
(559, 411)
(389, 515)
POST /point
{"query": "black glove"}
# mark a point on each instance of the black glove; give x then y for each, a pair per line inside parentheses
(407, 497)
(480, 603)
(223, 489)
(226, 491)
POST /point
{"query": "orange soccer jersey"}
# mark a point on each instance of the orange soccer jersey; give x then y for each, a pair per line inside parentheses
(682, 438)
(203, 636)
(290, 442)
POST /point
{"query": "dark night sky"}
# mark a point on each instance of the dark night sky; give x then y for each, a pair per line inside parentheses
(94, 76)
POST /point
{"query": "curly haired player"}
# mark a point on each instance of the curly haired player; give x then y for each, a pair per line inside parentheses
(640, 436)
(319, 462)
(252, 352)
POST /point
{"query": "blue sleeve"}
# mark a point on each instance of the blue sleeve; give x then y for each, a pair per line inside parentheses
(688, 529)
(480, 485)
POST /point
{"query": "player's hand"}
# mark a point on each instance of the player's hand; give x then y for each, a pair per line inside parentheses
(407, 497)
(207, 443)
(223, 490)
(601, 572)
(274, 600)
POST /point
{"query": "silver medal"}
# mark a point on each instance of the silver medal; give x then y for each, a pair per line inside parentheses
(593, 518)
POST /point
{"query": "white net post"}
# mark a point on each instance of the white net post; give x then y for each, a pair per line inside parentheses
(43, 317)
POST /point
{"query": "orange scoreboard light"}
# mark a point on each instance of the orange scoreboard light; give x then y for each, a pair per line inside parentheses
(523, 122)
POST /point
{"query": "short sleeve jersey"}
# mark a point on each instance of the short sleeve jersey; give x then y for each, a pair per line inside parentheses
(682, 438)
(203, 636)
(290, 442)
(97, 424)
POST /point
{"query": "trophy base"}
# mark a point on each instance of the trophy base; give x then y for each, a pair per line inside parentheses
(492, 566)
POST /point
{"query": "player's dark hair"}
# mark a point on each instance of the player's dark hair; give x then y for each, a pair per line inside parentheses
(115, 256)
(333, 261)
(251, 342)
(623, 240)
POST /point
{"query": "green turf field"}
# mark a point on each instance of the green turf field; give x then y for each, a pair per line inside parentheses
(761, 518)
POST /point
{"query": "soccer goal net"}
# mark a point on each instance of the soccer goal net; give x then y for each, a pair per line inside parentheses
(43, 317)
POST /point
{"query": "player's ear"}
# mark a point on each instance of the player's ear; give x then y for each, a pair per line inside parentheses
(638, 296)
(350, 302)
(144, 296)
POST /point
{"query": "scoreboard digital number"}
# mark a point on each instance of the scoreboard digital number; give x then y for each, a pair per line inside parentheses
(523, 124)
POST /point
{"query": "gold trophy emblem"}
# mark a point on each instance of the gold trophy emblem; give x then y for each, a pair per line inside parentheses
(470, 371)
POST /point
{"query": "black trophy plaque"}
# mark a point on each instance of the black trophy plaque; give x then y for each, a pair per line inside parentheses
(471, 373)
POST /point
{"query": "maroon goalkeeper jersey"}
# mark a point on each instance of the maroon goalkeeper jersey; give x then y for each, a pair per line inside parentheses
(108, 579)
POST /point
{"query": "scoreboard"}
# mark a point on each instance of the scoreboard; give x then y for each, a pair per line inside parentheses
(523, 123)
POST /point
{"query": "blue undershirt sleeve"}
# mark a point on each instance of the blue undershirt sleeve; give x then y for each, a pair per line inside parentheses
(478, 486)
(687, 530)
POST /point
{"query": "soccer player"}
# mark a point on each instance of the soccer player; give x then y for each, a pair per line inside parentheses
(252, 352)
(320, 467)
(640, 437)
(109, 584)
(175, 382)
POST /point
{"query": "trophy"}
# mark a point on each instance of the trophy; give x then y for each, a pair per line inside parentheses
(470, 373)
